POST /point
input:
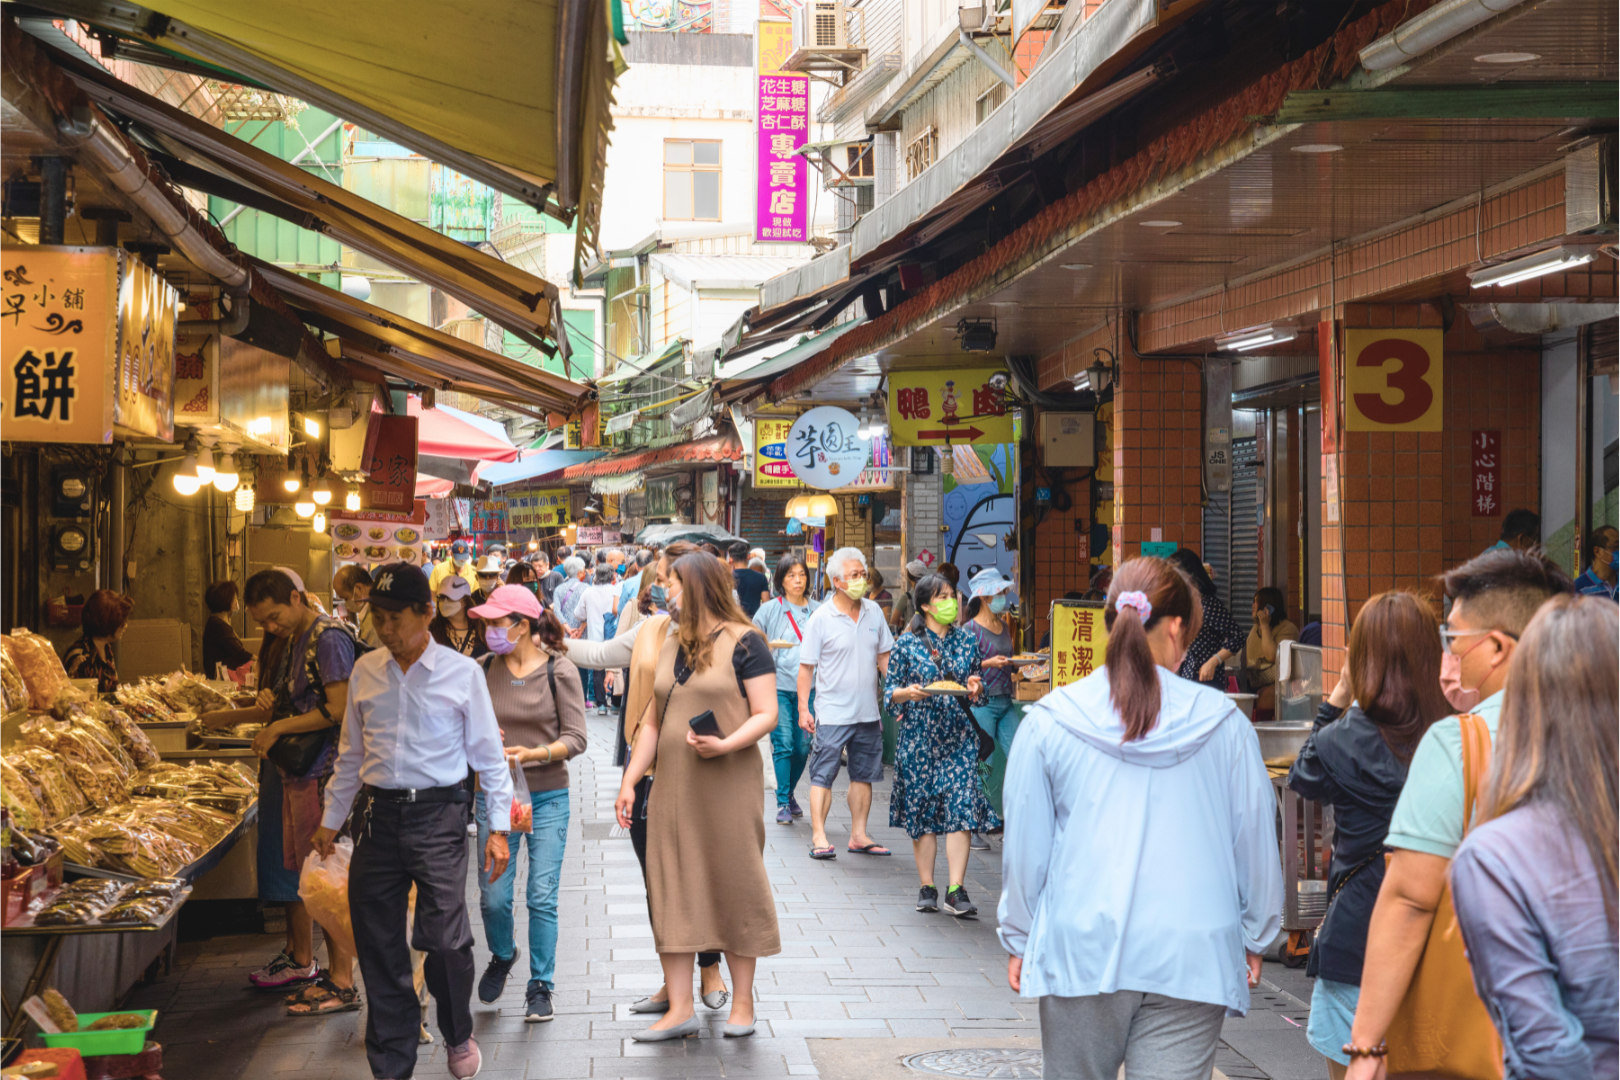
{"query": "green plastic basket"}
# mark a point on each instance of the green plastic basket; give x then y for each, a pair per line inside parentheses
(97, 1043)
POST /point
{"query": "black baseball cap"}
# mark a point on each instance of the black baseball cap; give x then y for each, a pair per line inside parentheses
(397, 585)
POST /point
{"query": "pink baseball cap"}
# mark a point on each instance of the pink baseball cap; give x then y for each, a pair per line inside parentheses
(508, 600)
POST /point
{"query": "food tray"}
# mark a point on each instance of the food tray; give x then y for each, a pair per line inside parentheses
(96, 1043)
(945, 693)
(783, 644)
(1020, 661)
(25, 926)
(224, 742)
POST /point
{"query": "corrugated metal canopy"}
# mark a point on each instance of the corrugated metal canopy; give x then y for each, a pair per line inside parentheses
(652, 363)
(219, 162)
(763, 364)
(693, 272)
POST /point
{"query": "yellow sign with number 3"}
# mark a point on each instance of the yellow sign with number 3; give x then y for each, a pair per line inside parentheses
(1394, 380)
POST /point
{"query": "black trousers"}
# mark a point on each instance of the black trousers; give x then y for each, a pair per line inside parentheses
(398, 844)
(638, 840)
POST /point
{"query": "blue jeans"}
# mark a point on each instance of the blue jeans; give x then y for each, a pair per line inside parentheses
(999, 718)
(593, 686)
(546, 844)
(790, 744)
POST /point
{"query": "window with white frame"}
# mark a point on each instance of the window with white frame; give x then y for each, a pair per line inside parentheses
(988, 102)
(921, 152)
(691, 180)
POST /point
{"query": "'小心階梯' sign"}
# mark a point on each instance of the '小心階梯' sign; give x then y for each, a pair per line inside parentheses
(1079, 640)
(1485, 456)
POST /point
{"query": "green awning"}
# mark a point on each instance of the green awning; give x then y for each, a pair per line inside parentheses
(762, 364)
(653, 363)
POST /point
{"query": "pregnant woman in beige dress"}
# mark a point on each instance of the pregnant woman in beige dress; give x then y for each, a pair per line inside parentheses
(706, 882)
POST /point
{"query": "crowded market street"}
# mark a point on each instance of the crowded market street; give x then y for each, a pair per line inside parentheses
(862, 982)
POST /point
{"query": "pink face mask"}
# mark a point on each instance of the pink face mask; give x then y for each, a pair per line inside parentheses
(1461, 697)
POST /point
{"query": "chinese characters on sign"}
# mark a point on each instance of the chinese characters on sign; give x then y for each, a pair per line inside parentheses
(783, 125)
(1079, 640)
(771, 468)
(947, 408)
(537, 509)
(825, 448)
(389, 459)
(58, 326)
(487, 516)
(1393, 380)
(148, 306)
(1485, 454)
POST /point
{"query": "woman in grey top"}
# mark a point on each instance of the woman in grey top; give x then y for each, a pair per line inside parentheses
(540, 705)
(1534, 886)
(782, 621)
(996, 712)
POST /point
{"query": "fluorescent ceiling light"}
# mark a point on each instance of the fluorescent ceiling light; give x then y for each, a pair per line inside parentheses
(1244, 340)
(1550, 261)
(1074, 266)
(1160, 223)
(1507, 58)
(1316, 148)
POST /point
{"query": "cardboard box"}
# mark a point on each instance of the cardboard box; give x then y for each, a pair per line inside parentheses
(1023, 690)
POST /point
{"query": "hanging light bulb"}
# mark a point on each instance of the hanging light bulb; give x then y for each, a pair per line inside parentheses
(293, 482)
(823, 506)
(351, 501)
(186, 485)
(323, 491)
(303, 508)
(225, 476)
(205, 463)
(319, 522)
(186, 481)
(245, 498)
(534, 545)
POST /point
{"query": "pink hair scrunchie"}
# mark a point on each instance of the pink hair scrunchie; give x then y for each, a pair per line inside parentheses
(1137, 600)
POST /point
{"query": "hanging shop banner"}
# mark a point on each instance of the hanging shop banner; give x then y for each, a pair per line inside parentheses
(783, 125)
(389, 459)
(573, 434)
(589, 534)
(1394, 380)
(825, 447)
(535, 508)
(1079, 640)
(661, 500)
(372, 539)
(486, 517)
(1485, 453)
(196, 372)
(59, 328)
(771, 468)
(948, 408)
(439, 516)
(148, 307)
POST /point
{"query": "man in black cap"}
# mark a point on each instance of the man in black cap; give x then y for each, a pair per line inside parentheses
(418, 716)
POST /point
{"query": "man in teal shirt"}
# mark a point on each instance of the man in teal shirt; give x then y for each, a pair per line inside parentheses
(1494, 596)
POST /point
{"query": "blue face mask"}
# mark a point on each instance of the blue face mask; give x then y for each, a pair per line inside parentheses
(658, 595)
(998, 604)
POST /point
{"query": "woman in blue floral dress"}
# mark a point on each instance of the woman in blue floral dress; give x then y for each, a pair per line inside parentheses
(936, 775)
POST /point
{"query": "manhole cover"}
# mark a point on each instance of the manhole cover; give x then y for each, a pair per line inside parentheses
(1001, 1064)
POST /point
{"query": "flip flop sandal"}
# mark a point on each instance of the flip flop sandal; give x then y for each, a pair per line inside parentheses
(309, 991)
(870, 849)
(828, 852)
(336, 1000)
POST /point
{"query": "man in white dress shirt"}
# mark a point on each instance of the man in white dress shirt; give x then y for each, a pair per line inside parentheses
(418, 716)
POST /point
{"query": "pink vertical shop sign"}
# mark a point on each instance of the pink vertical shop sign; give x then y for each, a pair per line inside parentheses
(782, 211)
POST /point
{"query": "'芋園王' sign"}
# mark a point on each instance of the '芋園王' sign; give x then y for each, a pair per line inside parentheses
(88, 339)
(783, 125)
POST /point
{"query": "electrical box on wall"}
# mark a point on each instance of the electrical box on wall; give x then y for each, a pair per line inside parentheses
(73, 492)
(72, 547)
(1067, 440)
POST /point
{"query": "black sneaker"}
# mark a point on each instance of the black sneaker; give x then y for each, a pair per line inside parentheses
(958, 904)
(977, 842)
(928, 899)
(537, 1003)
(494, 980)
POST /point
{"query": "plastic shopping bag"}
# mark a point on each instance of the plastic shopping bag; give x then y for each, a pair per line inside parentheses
(323, 885)
(522, 808)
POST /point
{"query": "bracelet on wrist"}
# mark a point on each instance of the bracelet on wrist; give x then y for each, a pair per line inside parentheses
(1351, 1050)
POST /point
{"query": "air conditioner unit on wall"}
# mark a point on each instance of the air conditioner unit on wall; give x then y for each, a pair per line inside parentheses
(824, 26)
(1589, 188)
(1067, 440)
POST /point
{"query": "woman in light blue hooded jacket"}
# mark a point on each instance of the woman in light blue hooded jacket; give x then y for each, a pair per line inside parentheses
(1141, 870)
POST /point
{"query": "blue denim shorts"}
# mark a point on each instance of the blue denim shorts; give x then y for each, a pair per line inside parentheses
(865, 745)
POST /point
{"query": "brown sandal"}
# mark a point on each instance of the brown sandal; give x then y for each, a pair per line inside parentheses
(329, 998)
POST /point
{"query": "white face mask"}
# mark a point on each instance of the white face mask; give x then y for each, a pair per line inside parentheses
(450, 608)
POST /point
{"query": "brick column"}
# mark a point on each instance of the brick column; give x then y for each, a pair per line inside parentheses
(1157, 450)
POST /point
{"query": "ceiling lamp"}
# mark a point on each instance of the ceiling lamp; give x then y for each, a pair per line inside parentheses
(319, 521)
(304, 508)
(1255, 338)
(323, 491)
(822, 506)
(225, 476)
(534, 545)
(245, 499)
(351, 501)
(312, 426)
(293, 482)
(1550, 261)
(185, 484)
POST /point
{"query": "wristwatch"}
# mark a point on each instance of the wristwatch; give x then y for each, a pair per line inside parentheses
(503, 833)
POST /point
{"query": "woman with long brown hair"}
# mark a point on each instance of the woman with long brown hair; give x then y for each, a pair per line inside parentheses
(706, 883)
(1355, 761)
(1534, 886)
(1140, 866)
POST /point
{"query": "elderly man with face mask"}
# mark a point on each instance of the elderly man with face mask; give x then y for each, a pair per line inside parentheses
(844, 653)
(418, 717)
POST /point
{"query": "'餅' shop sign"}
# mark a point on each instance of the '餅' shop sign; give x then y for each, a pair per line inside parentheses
(88, 345)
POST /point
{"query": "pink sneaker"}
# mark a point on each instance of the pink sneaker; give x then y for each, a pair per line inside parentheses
(282, 972)
(465, 1060)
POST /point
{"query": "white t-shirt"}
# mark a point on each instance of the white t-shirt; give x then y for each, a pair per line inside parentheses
(597, 603)
(845, 654)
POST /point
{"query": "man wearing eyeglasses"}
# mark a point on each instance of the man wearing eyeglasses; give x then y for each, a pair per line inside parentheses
(1599, 578)
(1494, 597)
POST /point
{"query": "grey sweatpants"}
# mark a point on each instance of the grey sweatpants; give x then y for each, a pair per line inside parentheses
(1153, 1036)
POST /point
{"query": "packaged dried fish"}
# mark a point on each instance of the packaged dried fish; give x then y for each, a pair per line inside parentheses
(142, 705)
(147, 910)
(40, 667)
(58, 794)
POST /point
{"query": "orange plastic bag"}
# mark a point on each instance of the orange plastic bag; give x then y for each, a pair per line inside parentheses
(323, 885)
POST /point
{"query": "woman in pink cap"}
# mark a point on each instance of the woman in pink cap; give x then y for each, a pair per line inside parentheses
(540, 705)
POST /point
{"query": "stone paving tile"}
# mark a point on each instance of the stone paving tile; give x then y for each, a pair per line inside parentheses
(858, 962)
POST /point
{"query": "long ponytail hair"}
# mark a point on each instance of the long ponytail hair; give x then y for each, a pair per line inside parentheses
(1133, 677)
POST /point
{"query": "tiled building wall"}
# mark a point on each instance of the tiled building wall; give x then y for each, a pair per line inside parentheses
(1060, 559)
(1158, 411)
(924, 510)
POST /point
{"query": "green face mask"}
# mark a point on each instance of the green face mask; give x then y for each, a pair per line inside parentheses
(856, 589)
(945, 611)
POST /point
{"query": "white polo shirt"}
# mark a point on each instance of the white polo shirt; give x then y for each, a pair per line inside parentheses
(845, 654)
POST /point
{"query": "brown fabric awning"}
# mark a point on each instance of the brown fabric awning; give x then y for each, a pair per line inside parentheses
(392, 344)
(702, 452)
(233, 168)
